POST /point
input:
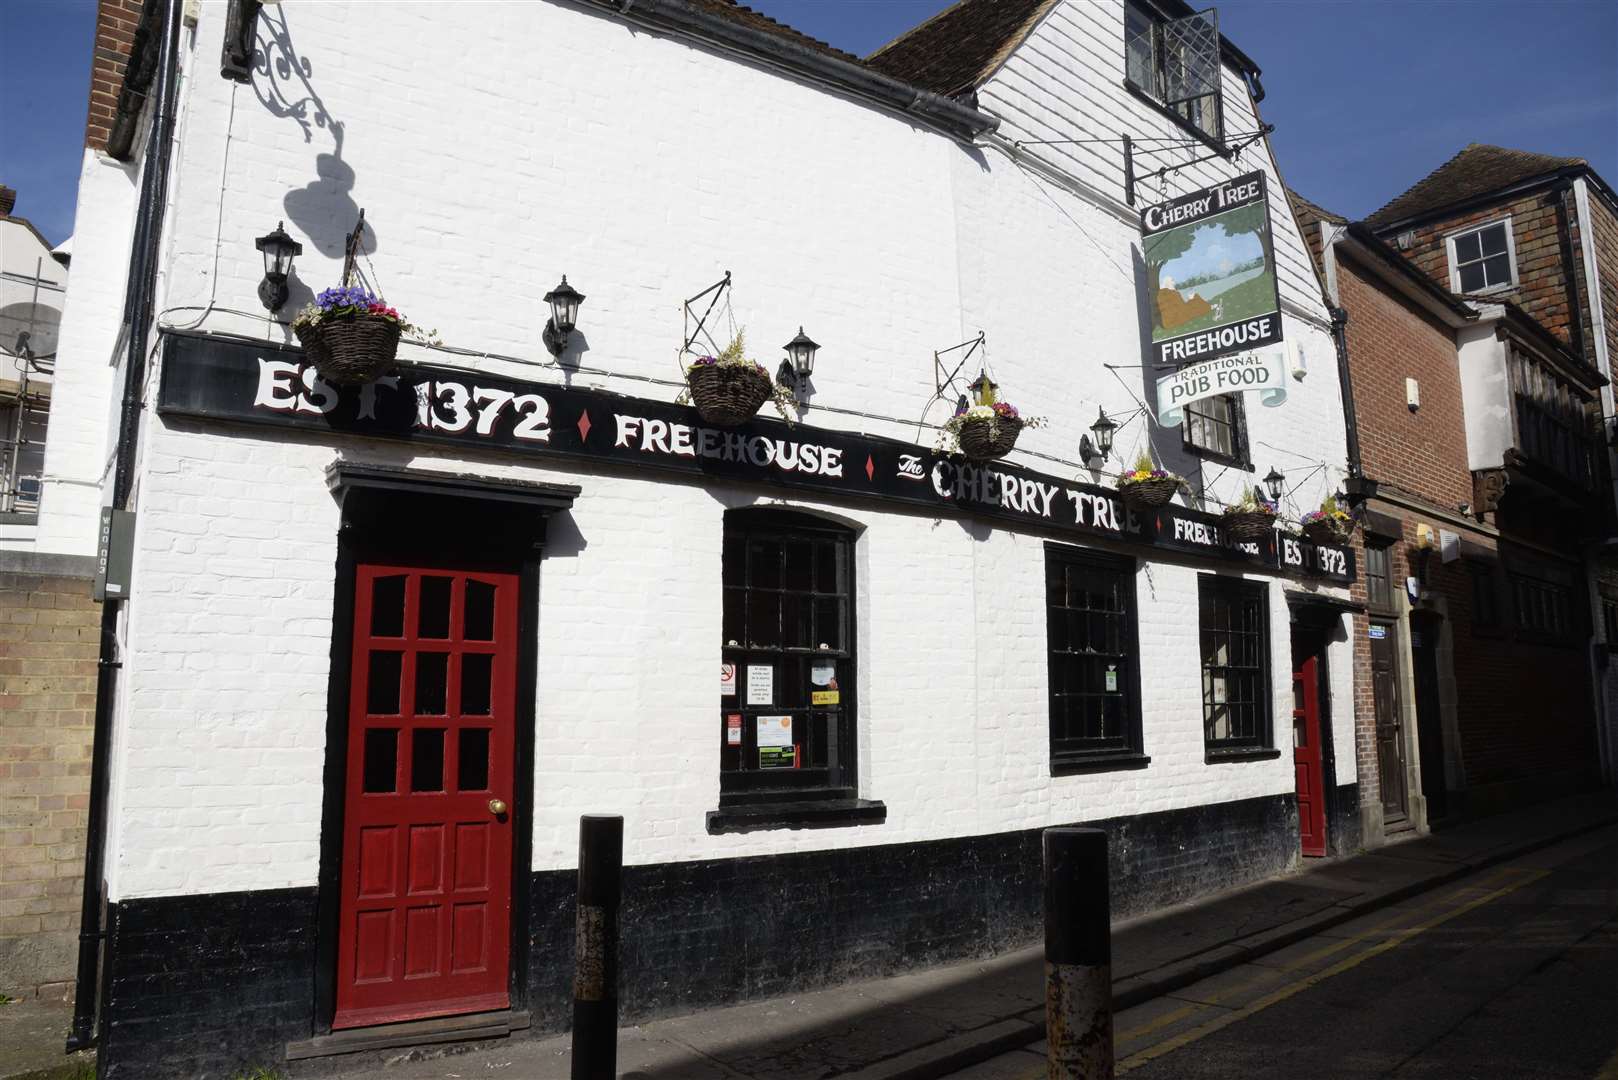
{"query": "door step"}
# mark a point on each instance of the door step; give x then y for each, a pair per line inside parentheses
(441, 1029)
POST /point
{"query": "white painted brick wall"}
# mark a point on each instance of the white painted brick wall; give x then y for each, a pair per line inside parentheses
(643, 168)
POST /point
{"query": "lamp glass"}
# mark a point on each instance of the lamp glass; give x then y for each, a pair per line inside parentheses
(564, 301)
(1103, 430)
(1275, 482)
(801, 350)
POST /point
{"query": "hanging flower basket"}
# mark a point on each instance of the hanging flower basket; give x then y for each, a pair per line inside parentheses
(1324, 532)
(985, 432)
(350, 335)
(985, 438)
(1246, 524)
(727, 395)
(1148, 486)
(1331, 524)
(729, 389)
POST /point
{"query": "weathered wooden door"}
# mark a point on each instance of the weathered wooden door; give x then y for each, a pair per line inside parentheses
(427, 839)
(1390, 741)
(1307, 758)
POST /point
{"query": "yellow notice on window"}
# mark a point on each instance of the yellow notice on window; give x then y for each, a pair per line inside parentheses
(825, 697)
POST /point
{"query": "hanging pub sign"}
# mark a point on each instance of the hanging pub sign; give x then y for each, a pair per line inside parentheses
(1210, 272)
(227, 379)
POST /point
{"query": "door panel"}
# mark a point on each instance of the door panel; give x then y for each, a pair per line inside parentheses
(1424, 636)
(425, 909)
(1308, 763)
(1390, 753)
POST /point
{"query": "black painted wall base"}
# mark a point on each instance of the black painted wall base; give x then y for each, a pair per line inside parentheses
(1343, 826)
(200, 986)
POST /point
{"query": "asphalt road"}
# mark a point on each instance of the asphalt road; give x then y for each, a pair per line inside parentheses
(1511, 974)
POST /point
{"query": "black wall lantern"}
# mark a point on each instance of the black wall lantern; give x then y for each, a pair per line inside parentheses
(564, 301)
(279, 250)
(1275, 482)
(1103, 430)
(799, 363)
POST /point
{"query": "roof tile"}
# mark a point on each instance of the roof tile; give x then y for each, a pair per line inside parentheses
(1476, 170)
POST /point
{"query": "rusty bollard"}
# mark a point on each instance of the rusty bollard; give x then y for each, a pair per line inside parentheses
(1078, 955)
(595, 953)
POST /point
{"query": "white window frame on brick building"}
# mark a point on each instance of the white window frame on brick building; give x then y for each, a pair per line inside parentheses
(1452, 243)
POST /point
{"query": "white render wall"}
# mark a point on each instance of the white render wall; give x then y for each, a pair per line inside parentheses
(644, 168)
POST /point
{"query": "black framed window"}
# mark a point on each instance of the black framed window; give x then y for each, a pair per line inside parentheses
(1093, 659)
(1234, 621)
(1378, 575)
(1176, 63)
(1213, 429)
(1544, 609)
(786, 714)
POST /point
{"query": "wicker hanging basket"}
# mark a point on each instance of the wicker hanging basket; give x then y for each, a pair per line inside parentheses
(984, 438)
(1149, 492)
(727, 394)
(1324, 532)
(1249, 525)
(351, 350)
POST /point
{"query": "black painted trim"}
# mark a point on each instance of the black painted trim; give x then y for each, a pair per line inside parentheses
(807, 814)
(1075, 764)
(329, 895)
(1262, 753)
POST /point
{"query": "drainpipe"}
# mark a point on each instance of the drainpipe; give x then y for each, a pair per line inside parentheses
(1359, 489)
(138, 315)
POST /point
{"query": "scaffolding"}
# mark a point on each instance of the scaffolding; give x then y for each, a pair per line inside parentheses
(25, 400)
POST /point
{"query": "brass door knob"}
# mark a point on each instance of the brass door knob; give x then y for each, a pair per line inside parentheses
(498, 807)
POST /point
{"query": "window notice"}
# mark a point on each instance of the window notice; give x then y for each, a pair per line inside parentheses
(727, 680)
(1378, 632)
(761, 684)
(775, 749)
(733, 729)
(1112, 679)
(823, 689)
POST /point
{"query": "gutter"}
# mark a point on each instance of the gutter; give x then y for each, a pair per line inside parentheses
(684, 19)
(139, 312)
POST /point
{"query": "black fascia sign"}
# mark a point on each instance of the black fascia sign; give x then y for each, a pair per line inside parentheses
(228, 379)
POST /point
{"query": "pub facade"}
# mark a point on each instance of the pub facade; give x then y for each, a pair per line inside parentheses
(381, 643)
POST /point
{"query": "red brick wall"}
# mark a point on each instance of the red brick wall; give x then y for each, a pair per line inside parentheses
(1390, 339)
(1542, 288)
(114, 37)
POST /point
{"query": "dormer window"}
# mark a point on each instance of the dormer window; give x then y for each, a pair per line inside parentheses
(1176, 63)
(1483, 259)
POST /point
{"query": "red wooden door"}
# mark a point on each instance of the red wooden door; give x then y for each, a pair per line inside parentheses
(426, 876)
(1306, 756)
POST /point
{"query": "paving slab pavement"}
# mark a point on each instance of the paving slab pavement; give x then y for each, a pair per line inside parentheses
(929, 1023)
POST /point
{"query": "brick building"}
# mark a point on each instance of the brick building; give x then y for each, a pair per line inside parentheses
(496, 589)
(1485, 484)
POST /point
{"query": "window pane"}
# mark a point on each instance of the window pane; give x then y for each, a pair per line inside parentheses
(799, 567)
(434, 620)
(827, 579)
(382, 683)
(1497, 269)
(479, 620)
(1139, 57)
(796, 631)
(432, 682)
(381, 764)
(427, 759)
(387, 606)
(1493, 239)
(764, 620)
(1467, 248)
(1472, 278)
(764, 565)
(828, 624)
(472, 768)
(476, 669)
(733, 619)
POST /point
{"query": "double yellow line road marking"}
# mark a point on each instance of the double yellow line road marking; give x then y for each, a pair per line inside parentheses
(1506, 881)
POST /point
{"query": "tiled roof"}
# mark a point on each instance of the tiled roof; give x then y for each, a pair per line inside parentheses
(1476, 170)
(1308, 212)
(757, 20)
(959, 47)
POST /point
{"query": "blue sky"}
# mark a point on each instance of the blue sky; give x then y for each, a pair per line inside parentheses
(1367, 96)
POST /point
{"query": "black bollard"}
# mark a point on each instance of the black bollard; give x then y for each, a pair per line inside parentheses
(1078, 955)
(595, 959)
